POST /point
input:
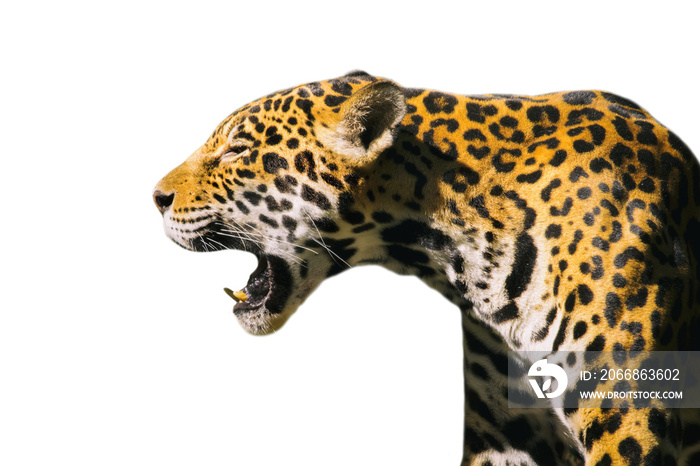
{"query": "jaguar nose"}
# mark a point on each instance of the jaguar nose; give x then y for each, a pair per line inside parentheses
(162, 200)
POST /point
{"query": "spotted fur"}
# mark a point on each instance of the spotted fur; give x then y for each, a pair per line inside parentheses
(561, 222)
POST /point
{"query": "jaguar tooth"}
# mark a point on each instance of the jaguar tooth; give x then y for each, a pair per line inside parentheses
(229, 292)
(238, 296)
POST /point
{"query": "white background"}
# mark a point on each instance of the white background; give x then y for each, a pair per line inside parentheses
(118, 347)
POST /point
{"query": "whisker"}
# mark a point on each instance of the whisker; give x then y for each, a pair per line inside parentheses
(216, 242)
(287, 254)
(263, 235)
(323, 243)
(204, 243)
(281, 241)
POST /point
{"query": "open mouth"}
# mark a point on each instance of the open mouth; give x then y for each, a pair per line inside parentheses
(268, 288)
(261, 302)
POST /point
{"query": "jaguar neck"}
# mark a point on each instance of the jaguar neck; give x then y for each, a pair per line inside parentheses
(473, 254)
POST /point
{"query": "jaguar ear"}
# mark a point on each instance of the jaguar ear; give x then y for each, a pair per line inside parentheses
(367, 121)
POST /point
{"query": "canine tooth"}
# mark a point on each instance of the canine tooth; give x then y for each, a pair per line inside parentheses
(230, 292)
(237, 296)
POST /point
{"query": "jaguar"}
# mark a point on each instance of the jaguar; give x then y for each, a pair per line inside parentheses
(555, 223)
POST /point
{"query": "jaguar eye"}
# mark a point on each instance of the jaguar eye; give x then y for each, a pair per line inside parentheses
(236, 149)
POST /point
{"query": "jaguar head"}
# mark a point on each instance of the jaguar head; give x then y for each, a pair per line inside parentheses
(283, 178)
